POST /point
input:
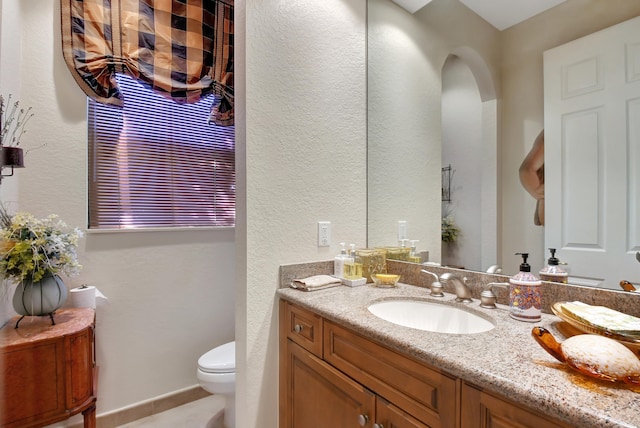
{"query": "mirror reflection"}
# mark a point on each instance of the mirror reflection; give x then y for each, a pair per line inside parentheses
(448, 88)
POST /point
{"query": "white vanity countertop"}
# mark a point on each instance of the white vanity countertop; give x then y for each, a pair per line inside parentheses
(505, 360)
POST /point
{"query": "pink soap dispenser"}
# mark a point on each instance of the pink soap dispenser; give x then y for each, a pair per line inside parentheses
(553, 272)
(525, 294)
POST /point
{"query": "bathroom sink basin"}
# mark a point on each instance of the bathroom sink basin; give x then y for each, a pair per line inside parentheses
(430, 316)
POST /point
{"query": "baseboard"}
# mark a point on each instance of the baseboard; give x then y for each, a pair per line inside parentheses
(146, 408)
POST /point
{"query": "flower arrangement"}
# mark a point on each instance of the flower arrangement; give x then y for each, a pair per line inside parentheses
(30, 248)
(450, 231)
(13, 121)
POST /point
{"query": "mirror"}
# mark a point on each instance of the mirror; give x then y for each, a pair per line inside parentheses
(419, 68)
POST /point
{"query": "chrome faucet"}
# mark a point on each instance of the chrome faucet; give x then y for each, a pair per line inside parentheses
(463, 292)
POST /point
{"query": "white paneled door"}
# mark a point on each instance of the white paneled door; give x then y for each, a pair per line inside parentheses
(592, 155)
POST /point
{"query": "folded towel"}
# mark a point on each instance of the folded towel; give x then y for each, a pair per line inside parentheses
(316, 282)
(603, 318)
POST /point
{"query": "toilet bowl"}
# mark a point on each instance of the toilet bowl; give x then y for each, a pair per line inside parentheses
(217, 375)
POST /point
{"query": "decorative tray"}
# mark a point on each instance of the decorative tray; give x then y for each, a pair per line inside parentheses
(585, 328)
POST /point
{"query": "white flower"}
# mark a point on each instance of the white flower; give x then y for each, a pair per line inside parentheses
(34, 247)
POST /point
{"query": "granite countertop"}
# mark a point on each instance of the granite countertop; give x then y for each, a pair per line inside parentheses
(505, 360)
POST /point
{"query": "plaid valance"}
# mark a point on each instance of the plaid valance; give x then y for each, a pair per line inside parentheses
(181, 48)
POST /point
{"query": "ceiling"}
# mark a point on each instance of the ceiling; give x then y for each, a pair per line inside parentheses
(502, 14)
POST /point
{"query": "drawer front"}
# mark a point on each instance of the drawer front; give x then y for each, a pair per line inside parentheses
(303, 327)
(422, 391)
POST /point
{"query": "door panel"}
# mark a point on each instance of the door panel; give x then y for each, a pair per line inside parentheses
(319, 396)
(592, 155)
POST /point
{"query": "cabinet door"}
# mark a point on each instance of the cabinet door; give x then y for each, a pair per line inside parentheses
(31, 388)
(319, 396)
(389, 416)
(80, 367)
(483, 410)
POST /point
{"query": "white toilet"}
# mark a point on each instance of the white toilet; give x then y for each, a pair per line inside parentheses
(217, 375)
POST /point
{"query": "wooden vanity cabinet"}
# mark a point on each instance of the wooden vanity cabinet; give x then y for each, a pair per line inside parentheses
(333, 377)
(48, 370)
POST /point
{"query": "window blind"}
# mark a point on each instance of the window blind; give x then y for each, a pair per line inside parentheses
(157, 163)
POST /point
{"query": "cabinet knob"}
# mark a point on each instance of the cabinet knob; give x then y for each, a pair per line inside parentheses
(298, 328)
(378, 426)
(363, 419)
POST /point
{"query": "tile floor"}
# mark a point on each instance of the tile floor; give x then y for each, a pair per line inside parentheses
(203, 413)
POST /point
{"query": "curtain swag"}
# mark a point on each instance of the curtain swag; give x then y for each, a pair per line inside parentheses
(182, 49)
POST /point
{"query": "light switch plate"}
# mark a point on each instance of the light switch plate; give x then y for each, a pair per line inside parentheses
(402, 230)
(324, 233)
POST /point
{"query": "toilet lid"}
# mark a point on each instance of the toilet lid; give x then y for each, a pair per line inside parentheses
(219, 360)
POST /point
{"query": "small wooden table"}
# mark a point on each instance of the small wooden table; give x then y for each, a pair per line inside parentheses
(48, 371)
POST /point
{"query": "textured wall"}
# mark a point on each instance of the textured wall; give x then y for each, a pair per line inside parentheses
(171, 294)
(305, 161)
(406, 56)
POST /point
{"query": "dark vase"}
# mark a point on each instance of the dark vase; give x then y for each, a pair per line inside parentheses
(13, 157)
(41, 297)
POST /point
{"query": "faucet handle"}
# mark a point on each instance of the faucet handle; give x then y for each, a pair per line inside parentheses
(436, 289)
(436, 286)
(488, 299)
(435, 277)
(490, 285)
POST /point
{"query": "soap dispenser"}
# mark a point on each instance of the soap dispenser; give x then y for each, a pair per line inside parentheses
(339, 261)
(414, 256)
(352, 268)
(525, 294)
(553, 272)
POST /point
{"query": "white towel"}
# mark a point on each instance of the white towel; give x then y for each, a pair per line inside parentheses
(605, 318)
(316, 282)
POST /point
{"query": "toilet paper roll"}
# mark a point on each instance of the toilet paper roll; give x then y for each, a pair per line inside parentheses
(86, 296)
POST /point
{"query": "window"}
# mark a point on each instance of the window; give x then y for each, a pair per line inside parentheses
(155, 163)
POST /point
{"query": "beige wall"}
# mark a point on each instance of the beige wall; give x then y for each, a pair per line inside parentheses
(406, 58)
(304, 159)
(301, 151)
(523, 115)
(171, 294)
(301, 158)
